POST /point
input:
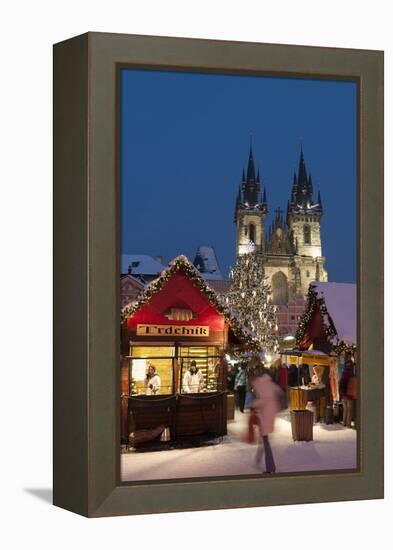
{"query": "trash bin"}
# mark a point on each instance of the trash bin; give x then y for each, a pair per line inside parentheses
(302, 425)
(338, 411)
(313, 407)
(329, 416)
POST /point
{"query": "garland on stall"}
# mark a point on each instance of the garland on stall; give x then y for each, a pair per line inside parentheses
(343, 347)
(182, 263)
(313, 302)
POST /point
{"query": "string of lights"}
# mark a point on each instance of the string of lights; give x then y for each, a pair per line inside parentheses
(314, 303)
(182, 263)
(250, 298)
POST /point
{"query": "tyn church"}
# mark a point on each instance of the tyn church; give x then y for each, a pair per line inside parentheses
(291, 248)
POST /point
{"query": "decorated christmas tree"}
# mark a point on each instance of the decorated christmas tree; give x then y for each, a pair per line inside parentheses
(249, 299)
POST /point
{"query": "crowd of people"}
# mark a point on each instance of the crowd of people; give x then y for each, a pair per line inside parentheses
(262, 392)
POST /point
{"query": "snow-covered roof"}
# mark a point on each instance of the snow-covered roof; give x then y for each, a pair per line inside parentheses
(340, 301)
(141, 264)
(206, 262)
(139, 282)
(220, 286)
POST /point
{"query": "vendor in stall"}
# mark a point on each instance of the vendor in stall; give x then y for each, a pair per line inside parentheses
(315, 378)
(152, 381)
(193, 379)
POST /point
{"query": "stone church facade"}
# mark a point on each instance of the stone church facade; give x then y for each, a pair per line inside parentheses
(290, 248)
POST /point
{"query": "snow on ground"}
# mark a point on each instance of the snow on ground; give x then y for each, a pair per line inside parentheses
(333, 447)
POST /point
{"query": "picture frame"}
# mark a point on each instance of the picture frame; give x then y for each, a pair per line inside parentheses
(86, 273)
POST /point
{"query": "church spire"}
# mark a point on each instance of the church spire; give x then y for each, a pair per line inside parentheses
(302, 174)
(251, 184)
(303, 187)
(250, 167)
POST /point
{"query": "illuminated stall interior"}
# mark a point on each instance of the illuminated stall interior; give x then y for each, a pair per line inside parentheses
(171, 362)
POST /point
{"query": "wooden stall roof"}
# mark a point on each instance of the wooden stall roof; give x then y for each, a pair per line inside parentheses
(329, 320)
(181, 285)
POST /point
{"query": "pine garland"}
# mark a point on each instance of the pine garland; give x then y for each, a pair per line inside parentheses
(182, 263)
(314, 301)
(249, 298)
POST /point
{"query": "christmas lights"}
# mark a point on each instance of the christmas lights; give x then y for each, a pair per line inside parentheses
(249, 297)
(182, 263)
(313, 302)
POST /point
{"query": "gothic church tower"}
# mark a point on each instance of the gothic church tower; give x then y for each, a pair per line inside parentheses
(304, 226)
(290, 249)
(250, 212)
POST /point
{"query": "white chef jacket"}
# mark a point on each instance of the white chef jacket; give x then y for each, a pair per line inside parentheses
(193, 383)
(156, 383)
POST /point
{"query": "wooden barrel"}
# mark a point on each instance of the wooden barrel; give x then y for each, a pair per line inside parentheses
(302, 425)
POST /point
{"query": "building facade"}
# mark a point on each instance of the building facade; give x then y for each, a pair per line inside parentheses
(290, 248)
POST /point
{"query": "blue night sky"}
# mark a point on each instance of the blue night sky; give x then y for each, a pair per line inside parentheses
(185, 140)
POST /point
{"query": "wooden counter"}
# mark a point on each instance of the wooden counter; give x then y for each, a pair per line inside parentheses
(183, 414)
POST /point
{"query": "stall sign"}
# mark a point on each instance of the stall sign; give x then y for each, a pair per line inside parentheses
(317, 359)
(173, 330)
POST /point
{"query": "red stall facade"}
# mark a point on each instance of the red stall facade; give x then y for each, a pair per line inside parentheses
(173, 368)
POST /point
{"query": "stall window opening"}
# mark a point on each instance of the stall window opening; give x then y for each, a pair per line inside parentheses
(152, 370)
(206, 360)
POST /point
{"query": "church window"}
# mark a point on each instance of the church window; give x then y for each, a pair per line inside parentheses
(307, 273)
(245, 230)
(307, 234)
(280, 288)
(252, 232)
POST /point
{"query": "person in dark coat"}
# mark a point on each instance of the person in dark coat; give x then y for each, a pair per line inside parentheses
(345, 395)
(292, 375)
(240, 386)
(231, 378)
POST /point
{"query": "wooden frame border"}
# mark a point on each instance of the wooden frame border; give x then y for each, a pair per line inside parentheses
(86, 297)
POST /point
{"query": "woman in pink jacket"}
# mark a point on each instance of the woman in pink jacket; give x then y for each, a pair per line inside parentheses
(267, 405)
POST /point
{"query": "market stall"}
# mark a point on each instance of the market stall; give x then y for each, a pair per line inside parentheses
(311, 376)
(173, 368)
(326, 336)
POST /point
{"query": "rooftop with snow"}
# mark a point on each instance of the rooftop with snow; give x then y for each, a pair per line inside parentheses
(340, 300)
